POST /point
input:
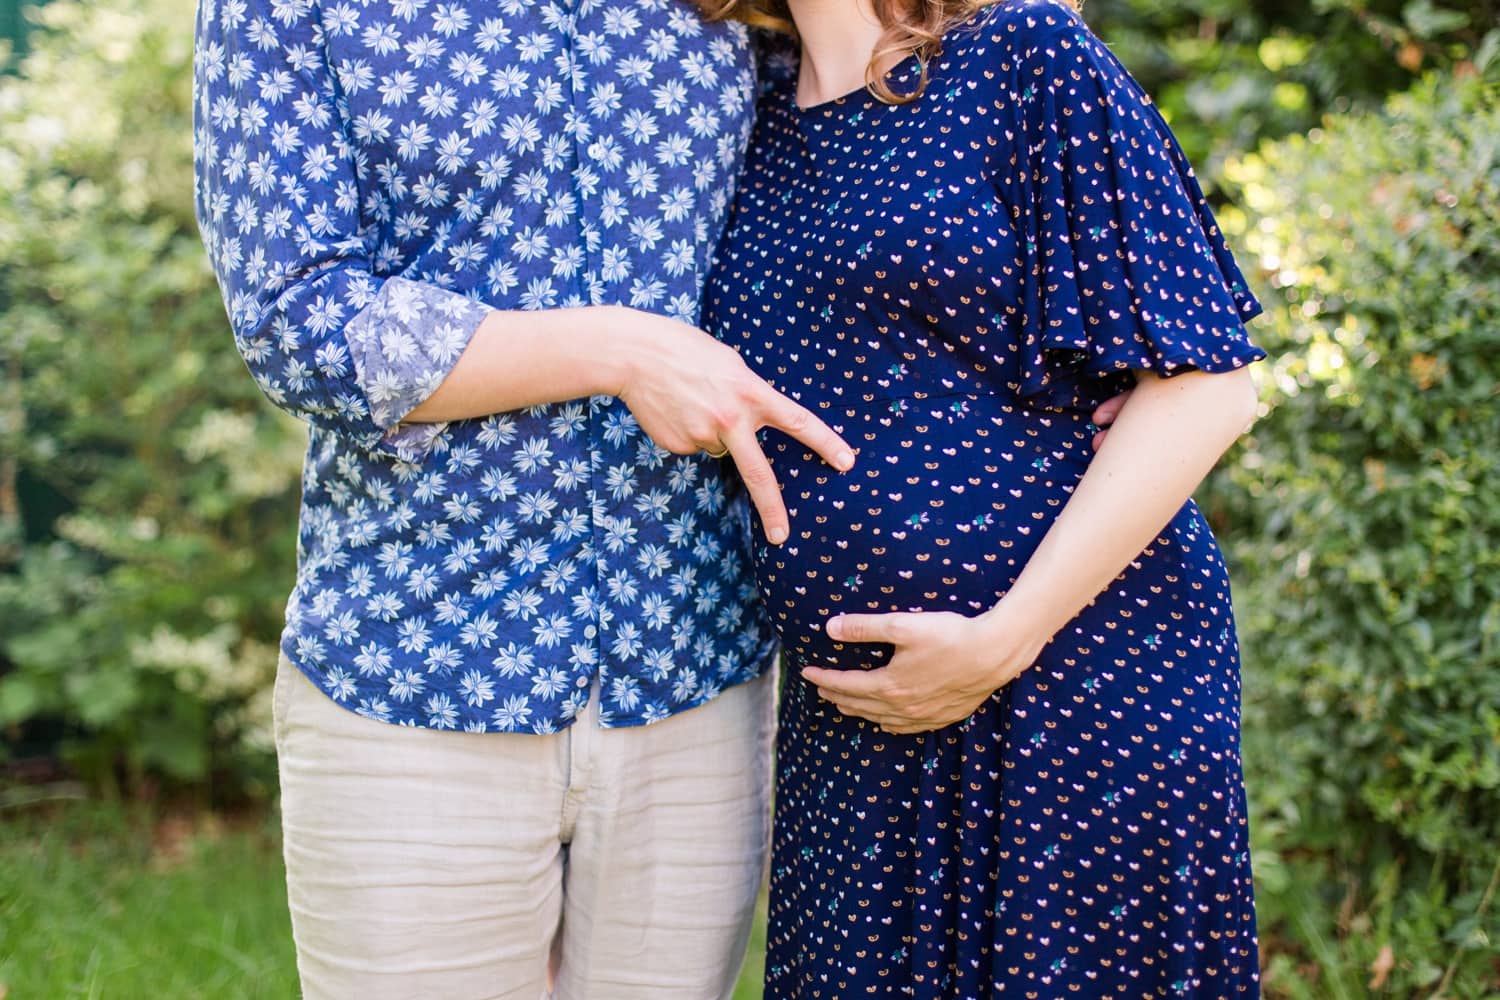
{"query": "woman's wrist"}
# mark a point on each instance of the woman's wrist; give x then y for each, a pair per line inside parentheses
(1015, 626)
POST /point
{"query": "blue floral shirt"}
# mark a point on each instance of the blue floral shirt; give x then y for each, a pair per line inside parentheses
(373, 176)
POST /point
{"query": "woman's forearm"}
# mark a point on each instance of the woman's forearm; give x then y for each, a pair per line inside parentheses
(1165, 440)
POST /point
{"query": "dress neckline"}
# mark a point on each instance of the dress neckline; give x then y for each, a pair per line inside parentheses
(906, 71)
(860, 96)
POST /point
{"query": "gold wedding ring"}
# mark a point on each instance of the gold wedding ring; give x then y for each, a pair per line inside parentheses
(716, 454)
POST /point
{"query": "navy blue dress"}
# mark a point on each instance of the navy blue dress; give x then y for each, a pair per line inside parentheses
(953, 284)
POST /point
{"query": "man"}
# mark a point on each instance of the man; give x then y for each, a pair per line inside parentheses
(522, 703)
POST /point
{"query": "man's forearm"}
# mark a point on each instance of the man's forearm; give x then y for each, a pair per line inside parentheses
(688, 392)
(518, 359)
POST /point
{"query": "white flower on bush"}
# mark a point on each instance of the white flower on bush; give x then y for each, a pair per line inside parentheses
(216, 666)
(257, 464)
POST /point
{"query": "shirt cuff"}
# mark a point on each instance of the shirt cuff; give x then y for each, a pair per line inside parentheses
(404, 341)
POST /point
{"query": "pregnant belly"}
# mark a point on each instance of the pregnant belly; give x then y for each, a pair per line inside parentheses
(947, 500)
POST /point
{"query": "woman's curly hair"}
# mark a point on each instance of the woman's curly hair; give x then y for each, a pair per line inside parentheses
(911, 26)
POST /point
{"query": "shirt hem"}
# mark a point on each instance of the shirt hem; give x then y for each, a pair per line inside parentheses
(764, 660)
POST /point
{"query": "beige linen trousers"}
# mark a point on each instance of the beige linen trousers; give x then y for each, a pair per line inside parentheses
(424, 864)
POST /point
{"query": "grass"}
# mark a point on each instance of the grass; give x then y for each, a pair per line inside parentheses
(98, 901)
(102, 901)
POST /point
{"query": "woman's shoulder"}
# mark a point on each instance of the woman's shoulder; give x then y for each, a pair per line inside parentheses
(1016, 31)
(1041, 54)
(1029, 22)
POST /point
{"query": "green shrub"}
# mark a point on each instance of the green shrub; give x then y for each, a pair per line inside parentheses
(141, 622)
(1366, 535)
(1230, 73)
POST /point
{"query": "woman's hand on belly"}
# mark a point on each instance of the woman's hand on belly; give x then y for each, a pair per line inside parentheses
(944, 666)
(1168, 435)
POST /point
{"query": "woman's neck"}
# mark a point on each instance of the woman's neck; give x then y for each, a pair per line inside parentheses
(838, 38)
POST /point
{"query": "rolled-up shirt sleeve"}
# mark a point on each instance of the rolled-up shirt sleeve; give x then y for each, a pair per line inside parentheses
(279, 202)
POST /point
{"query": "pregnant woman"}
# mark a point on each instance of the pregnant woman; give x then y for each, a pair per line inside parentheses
(1009, 749)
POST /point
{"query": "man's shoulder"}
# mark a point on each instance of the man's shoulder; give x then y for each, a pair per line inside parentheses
(776, 56)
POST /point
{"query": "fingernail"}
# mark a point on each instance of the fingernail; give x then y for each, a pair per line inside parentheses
(844, 461)
(836, 628)
(777, 535)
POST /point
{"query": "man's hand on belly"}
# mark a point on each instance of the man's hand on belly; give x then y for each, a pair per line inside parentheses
(691, 393)
(1104, 415)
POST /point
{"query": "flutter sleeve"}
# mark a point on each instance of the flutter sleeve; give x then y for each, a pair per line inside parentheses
(1124, 265)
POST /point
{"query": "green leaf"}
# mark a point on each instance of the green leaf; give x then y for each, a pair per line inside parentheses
(1427, 20)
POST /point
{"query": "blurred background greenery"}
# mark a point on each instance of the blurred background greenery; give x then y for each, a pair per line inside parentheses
(147, 501)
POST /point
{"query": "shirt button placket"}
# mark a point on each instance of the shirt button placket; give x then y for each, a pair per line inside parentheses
(595, 628)
(582, 738)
